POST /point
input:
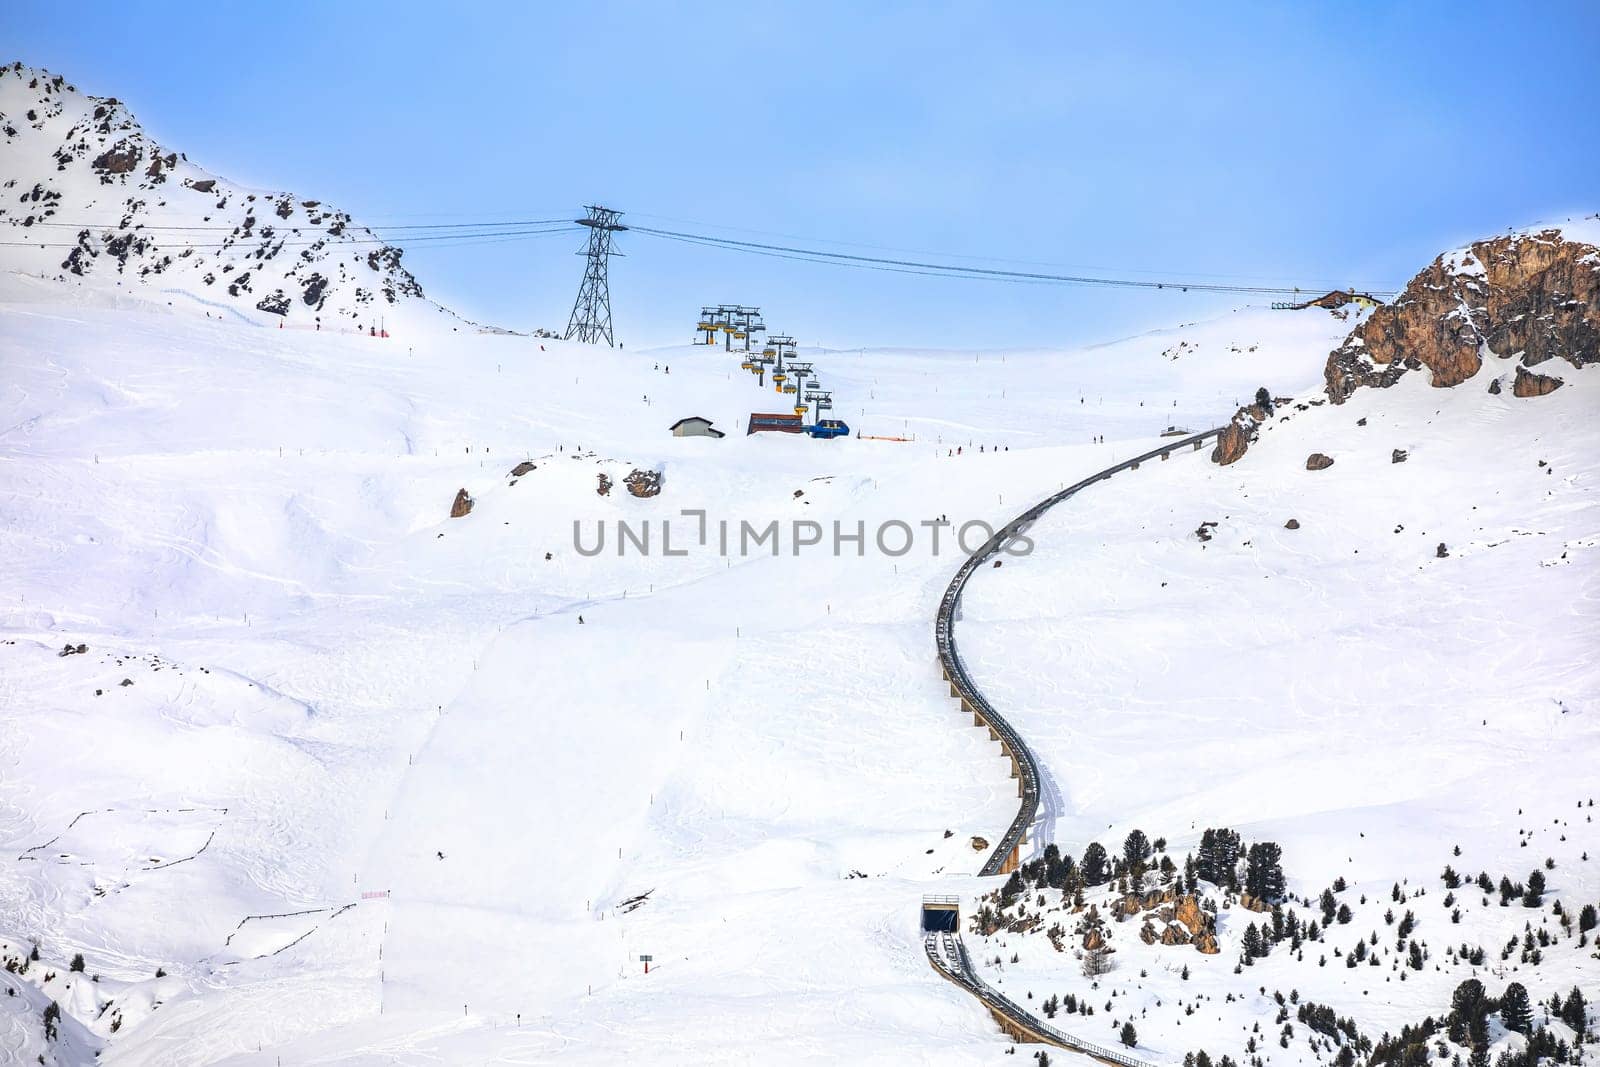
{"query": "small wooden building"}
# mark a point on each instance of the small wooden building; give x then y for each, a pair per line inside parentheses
(695, 426)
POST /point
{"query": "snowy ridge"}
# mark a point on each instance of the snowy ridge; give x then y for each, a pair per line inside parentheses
(88, 199)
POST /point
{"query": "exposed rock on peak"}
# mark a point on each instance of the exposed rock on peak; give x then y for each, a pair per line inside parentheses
(1532, 297)
(112, 203)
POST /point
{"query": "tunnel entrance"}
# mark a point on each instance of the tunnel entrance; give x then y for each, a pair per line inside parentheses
(941, 914)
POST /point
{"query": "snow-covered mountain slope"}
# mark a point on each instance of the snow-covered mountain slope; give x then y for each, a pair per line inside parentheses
(1369, 641)
(87, 198)
(373, 792)
(1402, 682)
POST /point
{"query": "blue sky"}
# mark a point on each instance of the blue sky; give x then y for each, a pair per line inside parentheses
(1300, 144)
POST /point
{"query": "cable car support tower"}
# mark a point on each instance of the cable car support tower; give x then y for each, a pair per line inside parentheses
(591, 312)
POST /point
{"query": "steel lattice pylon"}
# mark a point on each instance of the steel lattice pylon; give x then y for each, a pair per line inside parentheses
(591, 312)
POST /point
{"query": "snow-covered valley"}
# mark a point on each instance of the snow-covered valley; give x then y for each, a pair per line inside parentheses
(303, 769)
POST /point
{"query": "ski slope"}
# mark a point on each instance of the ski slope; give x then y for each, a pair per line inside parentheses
(374, 792)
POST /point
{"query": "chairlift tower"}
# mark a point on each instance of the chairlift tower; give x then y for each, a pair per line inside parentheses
(724, 320)
(760, 363)
(782, 346)
(707, 324)
(591, 312)
(798, 373)
(747, 320)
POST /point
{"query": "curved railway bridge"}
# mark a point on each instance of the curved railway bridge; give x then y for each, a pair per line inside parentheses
(945, 951)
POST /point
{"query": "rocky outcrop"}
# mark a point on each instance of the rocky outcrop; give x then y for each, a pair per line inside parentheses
(1532, 297)
(1186, 910)
(1398, 456)
(1236, 437)
(523, 468)
(1292, 524)
(643, 483)
(462, 505)
(1531, 384)
(1318, 462)
(119, 159)
(604, 488)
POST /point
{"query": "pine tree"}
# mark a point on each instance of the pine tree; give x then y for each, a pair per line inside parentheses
(1264, 871)
(1219, 855)
(1252, 944)
(1095, 869)
(1515, 1011)
(1136, 850)
(1588, 919)
(1575, 1013)
(1011, 890)
(1344, 914)
(1130, 1036)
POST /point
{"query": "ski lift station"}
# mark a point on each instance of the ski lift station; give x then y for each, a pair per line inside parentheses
(791, 377)
(941, 914)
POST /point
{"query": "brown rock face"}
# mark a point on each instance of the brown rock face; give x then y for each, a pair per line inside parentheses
(119, 160)
(1207, 943)
(1292, 524)
(643, 483)
(522, 468)
(1236, 437)
(1533, 296)
(604, 488)
(1531, 384)
(1318, 462)
(1174, 935)
(1187, 911)
(462, 506)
